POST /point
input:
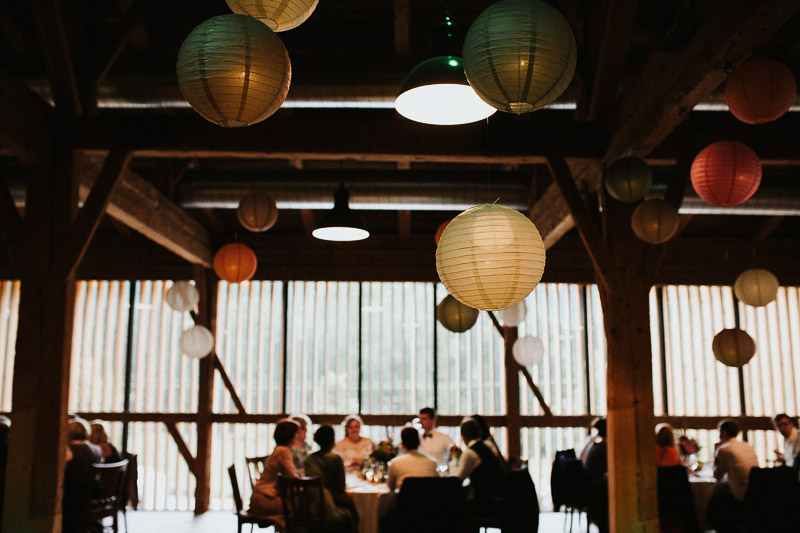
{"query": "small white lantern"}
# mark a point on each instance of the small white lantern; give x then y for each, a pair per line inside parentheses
(528, 351)
(183, 296)
(756, 287)
(514, 315)
(197, 342)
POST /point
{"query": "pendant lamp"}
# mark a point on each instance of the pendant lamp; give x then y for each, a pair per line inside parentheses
(340, 223)
(436, 91)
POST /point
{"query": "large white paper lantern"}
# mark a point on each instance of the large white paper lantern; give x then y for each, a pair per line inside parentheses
(197, 342)
(756, 287)
(514, 315)
(257, 211)
(278, 15)
(183, 296)
(455, 316)
(528, 351)
(490, 257)
(733, 347)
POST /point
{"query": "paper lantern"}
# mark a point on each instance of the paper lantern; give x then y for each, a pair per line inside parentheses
(440, 230)
(756, 287)
(514, 315)
(628, 179)
(519, 55)
(733, 347)
(235, 263)
(197, 342)
(490, 257)
(183, 296)
(456, 316)
(278, 15)
(726, 173)
(528, 351)
(760, 91)
(233, 70)
(655, 221)
(257, 211)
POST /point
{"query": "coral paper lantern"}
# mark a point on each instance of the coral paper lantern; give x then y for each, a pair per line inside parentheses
(183, 296)
(233, 70)
(726, 173)
(756, 287)
(519, 55)
(456, 316)
(440, 230)
(235, 263)
(528, 351)
(197, 342)
(278, 15)
(490, 257)
(733, 347)
(655, 221)
(628, 179)
(257, 211)
(514, 315)
(760, 91)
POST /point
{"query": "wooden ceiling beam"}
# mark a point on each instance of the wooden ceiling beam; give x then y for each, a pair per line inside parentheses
(401, 28)
(28, 122)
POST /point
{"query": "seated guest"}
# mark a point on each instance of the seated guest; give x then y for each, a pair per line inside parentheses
(732, 463)
(483, 469)
(340, 511)
(590, 440)
(412, 463)
(78, 474)
(595, 465)
(791, 443)
(266, 499)
(353, 447)
(435, 444)
(99, 437)
(488, 439)
(666, 451)
(300, 447)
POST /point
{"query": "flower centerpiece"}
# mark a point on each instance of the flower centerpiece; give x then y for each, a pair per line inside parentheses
(384, 451)
(689, 448)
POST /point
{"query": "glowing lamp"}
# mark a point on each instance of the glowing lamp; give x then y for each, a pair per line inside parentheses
(197, 342)
(278, 15)
(756, 287)
(235, 263)
(182, 296)
(760, 91)
(726, 173)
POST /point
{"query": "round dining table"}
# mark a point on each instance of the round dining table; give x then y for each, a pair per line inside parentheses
(702, 484)
(372, 501)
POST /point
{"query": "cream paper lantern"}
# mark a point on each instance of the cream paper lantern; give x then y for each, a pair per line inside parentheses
(197, 342)
(183, 296)
(233, 70)
(528, 351)
(455, 316)
(655, 221)
(514, 315)
(278, 15)
(490, 257)
(257, 211)
(756, 287)
(733, 347)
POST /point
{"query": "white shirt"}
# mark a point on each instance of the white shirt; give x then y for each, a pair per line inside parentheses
(351, 451)
(436, 445)
(410, 464)
(791, 446)
(470, 460)
(735, 458)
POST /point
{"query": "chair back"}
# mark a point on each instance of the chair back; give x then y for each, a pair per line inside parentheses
(568, 483)
(521, 503)
(255, 467)
(130, 486)
(676, 509)
(237, 496)
(431, 504)
(772, 494)
(104, 494)
(303, 501)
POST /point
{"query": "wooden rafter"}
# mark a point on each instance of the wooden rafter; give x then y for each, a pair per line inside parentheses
(228, 384)
(401, 27)
(12, 228)
(117, 39)
(183, 449)
(404, 224)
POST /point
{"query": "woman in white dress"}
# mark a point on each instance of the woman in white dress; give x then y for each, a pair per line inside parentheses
(353, 447)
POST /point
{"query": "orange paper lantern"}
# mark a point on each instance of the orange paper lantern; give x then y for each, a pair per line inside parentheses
(760, 91)
(441, 230)
(726, 173)
(235, 263)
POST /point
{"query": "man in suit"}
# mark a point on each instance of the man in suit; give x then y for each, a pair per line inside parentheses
(483, 469)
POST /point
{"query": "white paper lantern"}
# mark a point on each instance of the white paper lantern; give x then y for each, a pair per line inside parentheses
(733, 347)
(183, 296)
(528, 351)
(490, 257)
(278, 15)
(197, 342)
(513, 316)
(756, 287)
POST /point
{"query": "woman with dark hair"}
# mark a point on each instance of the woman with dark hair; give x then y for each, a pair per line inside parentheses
(340, 512)
(266, 500)
(488, 439)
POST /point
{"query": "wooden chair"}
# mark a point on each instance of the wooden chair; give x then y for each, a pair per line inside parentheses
(129, 493)
(242, 516)
(303, 504)
(104, 495)
(429, 505)
(255, 466)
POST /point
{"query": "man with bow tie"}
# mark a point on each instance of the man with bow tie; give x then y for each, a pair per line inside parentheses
(435, 444)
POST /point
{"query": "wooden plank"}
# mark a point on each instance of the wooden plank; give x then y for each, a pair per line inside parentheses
(110, 50)
(536, 391)
(183, 449)
(401, 28)
(12, 229)
(206, 283)
(764, 230)
(28, 121)
(229, 385)
(551, 216)
(514, 448)
(141, 207)
(404, 223)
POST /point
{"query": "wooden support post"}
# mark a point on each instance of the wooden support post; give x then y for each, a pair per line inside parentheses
(207, 287)
(513, 422)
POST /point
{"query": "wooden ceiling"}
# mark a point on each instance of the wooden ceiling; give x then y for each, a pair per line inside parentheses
(100, 75)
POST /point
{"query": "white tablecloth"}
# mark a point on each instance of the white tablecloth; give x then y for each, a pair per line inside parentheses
(372, 501)
(702, 484)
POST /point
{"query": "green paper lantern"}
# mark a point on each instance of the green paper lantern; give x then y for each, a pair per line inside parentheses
(519, 55)
(233, 70)
(455, 316)
(733, 347)
(655, 221)
(628, 179)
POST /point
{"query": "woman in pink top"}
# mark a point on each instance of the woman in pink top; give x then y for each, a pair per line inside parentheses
(266, 499)
(666, 452)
